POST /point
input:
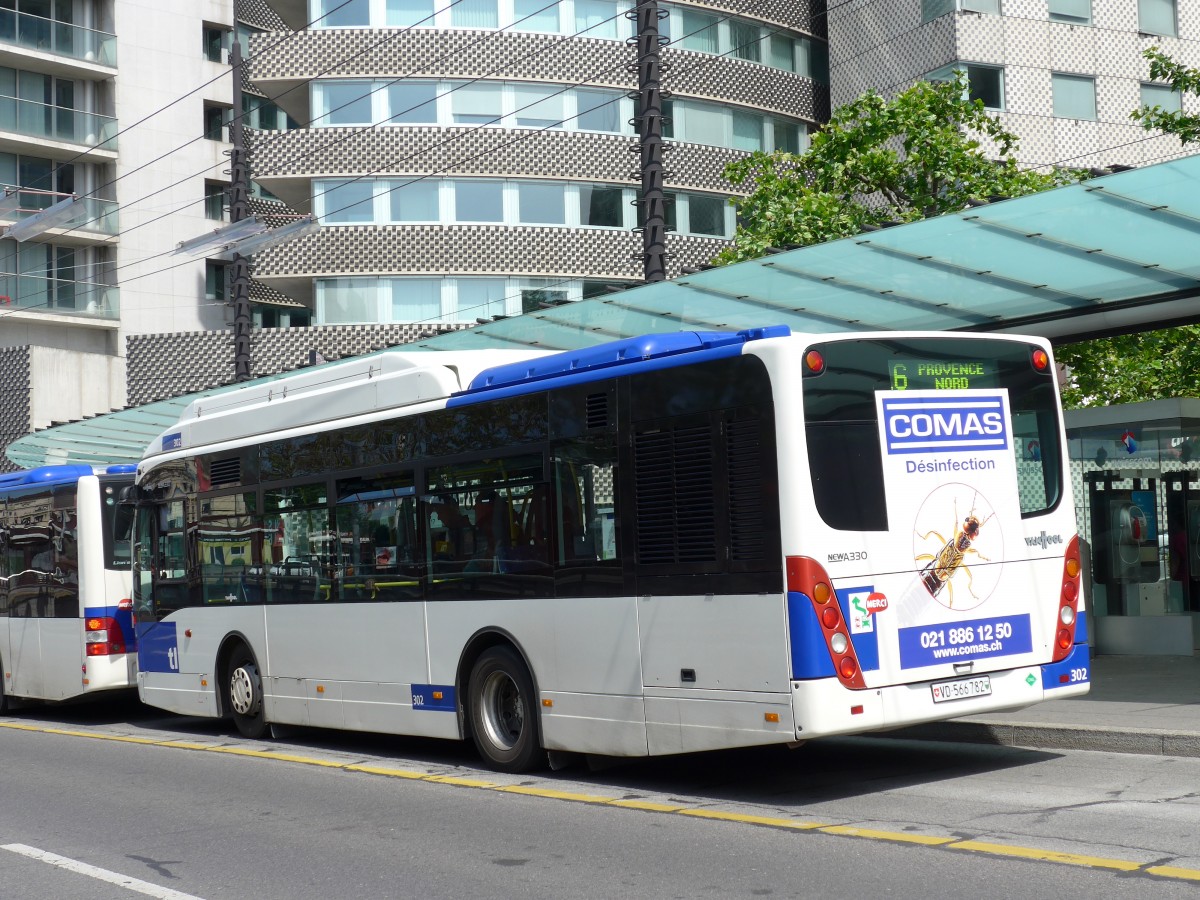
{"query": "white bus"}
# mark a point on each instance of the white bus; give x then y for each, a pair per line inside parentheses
(66, 626)
(672, 543)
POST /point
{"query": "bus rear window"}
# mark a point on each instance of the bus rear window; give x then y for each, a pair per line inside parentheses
(842, 428)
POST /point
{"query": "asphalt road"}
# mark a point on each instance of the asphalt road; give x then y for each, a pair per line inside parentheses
(184, 806)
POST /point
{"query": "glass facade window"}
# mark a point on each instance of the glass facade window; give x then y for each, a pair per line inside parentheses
(601, 206)
(1158, 17)
(1074, 12)
(474, 104)
(698, 31)
(602, 19)
(1161, 95)
(932, 9)
(480, 298)
(342, 103)
(747, 131)
(343, 13)
(706, 215)
(412, 103)
(415, 299)
(1074, 96)
(347, 202)
(478, 201)
(541, 203)
(475, 14)
(407, 13)
(984, 83)
(746, 39)
(598, 111)
(536, 15)
(539, 107)
(415, 201)
(422, 299)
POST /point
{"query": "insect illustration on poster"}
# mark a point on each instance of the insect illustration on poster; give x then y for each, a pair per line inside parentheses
(955, 531)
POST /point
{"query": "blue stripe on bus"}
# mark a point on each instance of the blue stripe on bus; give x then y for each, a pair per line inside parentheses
(810, 655)
(434, 697)
(158, 647)
(640, 354)
(124, 619)
(1081, 628)
(1075, 669)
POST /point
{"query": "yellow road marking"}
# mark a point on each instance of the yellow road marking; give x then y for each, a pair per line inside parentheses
(902, 837)
(1070, 859)
(1054, 856)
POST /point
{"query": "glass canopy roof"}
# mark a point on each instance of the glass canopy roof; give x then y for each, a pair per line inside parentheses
(1117, 253)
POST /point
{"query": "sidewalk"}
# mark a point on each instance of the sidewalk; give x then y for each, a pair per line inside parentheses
(1137, 704)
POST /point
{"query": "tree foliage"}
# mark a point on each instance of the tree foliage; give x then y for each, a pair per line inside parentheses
(1129, 368)
(879, 161)
(1183, 79)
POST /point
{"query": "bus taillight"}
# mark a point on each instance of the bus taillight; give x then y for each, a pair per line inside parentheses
(1068, 602)
(103, 637)
(808, 577)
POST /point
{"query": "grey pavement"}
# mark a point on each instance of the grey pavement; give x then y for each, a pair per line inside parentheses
(1137, 704)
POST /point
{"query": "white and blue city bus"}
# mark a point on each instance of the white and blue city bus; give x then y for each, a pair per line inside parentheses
(671, 543)
(66, 625)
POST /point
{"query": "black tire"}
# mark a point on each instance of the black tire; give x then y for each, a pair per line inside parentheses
(246, 694)
(503, 714)
(5, 706)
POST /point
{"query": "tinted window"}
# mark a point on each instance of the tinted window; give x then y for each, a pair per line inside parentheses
(843, 432)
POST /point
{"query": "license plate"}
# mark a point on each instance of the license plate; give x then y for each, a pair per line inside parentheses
(980, 686)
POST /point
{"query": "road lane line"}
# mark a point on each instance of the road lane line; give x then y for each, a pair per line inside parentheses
(73, 865)
(852, 831)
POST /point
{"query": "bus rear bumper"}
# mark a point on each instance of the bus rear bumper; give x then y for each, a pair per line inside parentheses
(824, 707)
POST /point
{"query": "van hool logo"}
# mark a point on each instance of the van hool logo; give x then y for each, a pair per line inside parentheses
(944, 424)
(1043, 540)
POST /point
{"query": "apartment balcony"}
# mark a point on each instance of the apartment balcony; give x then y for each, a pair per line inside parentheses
(61, 48)
(32, 294)
(27, 126)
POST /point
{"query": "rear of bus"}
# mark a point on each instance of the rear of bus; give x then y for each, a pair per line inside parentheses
(67, 580)
(929, 533)
(109, 642)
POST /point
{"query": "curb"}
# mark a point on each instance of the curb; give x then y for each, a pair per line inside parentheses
(1149, 742)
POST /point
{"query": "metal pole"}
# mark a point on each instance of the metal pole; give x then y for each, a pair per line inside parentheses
(238, 272)
(653, 201)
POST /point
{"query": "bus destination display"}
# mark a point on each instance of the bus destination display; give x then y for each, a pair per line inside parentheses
(940, 375)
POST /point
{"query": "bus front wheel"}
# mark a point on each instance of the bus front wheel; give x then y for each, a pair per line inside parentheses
(246, 695)
(504, 723)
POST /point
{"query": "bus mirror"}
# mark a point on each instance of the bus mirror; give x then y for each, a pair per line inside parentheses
(128, 494)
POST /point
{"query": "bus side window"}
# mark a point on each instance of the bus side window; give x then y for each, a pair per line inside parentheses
(585, 517)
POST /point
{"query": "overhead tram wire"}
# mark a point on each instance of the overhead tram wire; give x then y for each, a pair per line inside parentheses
(312, 78)
(167, 106)
(589, 80)
(709, 60)
(340, 62)
(202, 136)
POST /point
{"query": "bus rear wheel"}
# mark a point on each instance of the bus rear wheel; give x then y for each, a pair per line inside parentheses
(504, 723)
(246, 695)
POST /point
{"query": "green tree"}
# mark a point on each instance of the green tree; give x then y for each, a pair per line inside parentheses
(918, 155)
(1156, 364)
(1130, 368)
(1182, 79)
